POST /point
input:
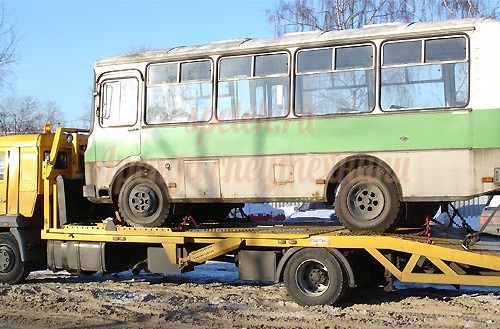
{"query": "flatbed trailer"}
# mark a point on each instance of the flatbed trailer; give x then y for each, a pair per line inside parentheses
(277, 253)
(319, 264)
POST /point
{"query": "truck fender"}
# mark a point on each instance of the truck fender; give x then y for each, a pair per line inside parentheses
(30, 243)
(335, 252)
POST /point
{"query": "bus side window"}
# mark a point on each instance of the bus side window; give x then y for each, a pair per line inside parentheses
(425, 74)
(335, 80)
(253, 86)
(179, 92)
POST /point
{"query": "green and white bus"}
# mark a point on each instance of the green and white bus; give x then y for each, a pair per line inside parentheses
(386, 122)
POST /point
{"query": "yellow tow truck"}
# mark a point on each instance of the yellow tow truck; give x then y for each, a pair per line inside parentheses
(46, 223)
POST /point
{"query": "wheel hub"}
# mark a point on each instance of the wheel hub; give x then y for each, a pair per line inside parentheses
(7, 259)
(366, 201)
(312, 278)
(143, 201)
(317, 277)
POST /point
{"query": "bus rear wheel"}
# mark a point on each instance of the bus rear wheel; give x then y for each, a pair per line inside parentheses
(12, 268)
(368, 200)
(313, 276)
(142, 201)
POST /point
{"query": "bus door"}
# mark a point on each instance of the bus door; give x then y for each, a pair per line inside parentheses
(9, 181)
(116, 133)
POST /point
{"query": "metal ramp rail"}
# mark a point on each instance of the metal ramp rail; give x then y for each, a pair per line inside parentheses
(407, 256)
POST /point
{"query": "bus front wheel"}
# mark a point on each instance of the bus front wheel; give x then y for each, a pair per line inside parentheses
(368, 200)
(142, 201)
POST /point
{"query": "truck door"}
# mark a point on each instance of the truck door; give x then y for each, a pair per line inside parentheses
(116, 134)
(9, 180)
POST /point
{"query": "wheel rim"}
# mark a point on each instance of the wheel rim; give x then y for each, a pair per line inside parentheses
(143, 201)
(312, 277)
(366, 201)
(7, 259)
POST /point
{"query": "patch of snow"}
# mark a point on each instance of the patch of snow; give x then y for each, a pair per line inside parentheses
(495, 201)
(404, 285)
(211, 271)
(224, 273)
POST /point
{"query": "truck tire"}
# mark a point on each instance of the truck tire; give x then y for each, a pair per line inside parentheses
(142, 201)
(12, 269)
(313, 276)
(368, 200)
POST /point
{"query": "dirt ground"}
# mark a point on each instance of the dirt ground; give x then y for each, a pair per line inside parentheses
(217, 299)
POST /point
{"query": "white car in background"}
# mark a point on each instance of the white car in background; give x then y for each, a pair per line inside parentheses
(259, 213)
(313, 212)
(493, 226)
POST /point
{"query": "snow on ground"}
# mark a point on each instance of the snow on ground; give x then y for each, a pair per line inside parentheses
(227, 273)
(213, 297)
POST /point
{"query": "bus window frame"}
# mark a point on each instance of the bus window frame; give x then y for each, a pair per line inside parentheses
(252, 76)
(178, 82)
(424, 63)
(373, 67)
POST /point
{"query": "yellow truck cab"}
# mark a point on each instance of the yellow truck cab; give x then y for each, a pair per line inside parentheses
(22, 159)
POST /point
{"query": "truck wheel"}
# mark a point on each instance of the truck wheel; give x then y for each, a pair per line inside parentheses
(368, 200)
(314, 277)
(143, 202)
(12, 268)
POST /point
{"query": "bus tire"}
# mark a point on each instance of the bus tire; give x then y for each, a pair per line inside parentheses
(313, 276)
(12, 269)
(368, 200)
(142, 202)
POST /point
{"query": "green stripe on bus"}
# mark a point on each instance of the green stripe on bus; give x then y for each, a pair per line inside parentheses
(365, 133)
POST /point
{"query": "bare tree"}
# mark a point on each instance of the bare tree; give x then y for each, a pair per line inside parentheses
(51, 113)
(23, 115)
(84, 119)
(327, 15)
(8, 42)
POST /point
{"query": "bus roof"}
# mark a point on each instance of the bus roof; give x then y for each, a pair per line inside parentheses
(297, 39)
